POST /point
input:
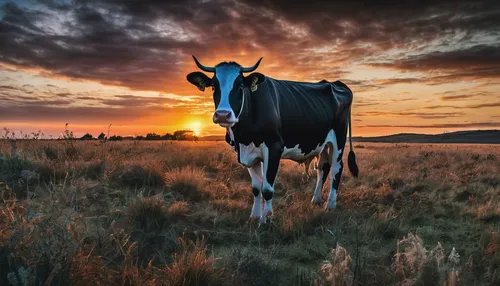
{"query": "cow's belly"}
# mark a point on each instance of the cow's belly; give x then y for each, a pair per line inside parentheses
(297, 155)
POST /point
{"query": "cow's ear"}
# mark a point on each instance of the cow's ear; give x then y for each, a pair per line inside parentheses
(199, 79)
(254, 79)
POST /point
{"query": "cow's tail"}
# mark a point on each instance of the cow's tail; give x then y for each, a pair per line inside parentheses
(351, 158)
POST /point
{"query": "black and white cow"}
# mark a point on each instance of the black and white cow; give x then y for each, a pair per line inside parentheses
(268, 120)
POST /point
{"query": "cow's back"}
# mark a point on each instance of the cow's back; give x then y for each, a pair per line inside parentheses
(307, 111)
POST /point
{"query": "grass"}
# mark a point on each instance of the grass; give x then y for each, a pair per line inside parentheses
(176, 213)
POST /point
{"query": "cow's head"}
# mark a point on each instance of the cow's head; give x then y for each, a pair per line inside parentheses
(228, 84)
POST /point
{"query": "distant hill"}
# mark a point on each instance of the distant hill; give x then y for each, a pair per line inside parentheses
(473, 137)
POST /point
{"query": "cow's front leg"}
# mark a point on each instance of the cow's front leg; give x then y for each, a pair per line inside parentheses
(271, 162)
(256, 174)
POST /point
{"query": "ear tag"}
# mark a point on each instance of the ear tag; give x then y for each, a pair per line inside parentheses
(253, 88)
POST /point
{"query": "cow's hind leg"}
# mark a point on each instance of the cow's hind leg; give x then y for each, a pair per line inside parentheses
(338, 143)
(256, 174)
(323, 171)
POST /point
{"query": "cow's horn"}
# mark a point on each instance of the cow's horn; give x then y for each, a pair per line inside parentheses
(251, 69)
(202, 67)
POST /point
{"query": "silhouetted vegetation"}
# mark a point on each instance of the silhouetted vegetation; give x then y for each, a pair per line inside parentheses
(101, 136)
(87, 136)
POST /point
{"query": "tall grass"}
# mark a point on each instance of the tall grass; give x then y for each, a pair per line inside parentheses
(177, 213)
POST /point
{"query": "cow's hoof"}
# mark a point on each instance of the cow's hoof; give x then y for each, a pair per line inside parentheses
(253, 219)
(331, 206)
(263, 219)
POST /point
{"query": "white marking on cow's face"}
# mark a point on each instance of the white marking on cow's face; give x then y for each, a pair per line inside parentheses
(226, 75)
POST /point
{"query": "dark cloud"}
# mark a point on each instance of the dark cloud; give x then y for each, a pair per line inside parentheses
(483, 105)
(452, 96)
(87, 98)
(8, 87)
(147, 45)
(470, 106)
(482, 57)
(422, 115)
(134, 101)
(52, 111)
(477, 62)
(403, 99)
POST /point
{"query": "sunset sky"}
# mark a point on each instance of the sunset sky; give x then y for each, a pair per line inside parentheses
(412, 67)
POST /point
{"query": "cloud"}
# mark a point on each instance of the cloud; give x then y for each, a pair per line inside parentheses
(476, 62)
(403, 99)
(423, 115)
(147, 46)
(134, 101)
(483, 105)
(470, 106)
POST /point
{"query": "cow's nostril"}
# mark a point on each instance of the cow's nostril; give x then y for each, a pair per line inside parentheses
(228, 115)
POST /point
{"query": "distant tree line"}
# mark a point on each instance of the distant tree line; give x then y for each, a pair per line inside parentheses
(183, 135)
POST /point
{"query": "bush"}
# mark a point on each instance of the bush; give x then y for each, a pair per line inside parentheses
(137, 176)
(188, 181)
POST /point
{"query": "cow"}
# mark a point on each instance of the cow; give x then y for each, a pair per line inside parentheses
(267, 120)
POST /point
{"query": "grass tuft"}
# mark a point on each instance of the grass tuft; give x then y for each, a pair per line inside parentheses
(188, 181)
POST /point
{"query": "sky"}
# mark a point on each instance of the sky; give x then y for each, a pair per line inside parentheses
(426, 67)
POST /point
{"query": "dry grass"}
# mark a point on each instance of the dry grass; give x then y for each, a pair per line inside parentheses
(176, 213)
(188, 181)
(338, 268)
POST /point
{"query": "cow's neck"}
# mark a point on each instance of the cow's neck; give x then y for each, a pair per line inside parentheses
(246, 120)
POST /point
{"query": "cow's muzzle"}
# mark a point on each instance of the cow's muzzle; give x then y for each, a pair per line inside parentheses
(224, 118)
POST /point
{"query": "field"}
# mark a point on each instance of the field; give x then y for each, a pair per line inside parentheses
(176, 213)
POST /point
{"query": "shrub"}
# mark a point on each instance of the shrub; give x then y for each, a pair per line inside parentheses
(178, 209)
(337, 270)
(147, 214)
(413, 264)
(137, 176)
(188, 181)
(192, 266)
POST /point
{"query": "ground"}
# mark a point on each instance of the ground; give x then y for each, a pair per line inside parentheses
(177, 213)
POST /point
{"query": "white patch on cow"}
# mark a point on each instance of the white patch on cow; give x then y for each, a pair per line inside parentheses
(268, 204)
(250, 154)
(231, 136)
(319, 187)
(332, 198)
(226, 75)
(292, 153)
(256, 174)
(296, 154)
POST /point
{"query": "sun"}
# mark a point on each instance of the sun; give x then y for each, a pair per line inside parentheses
(195, 126)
